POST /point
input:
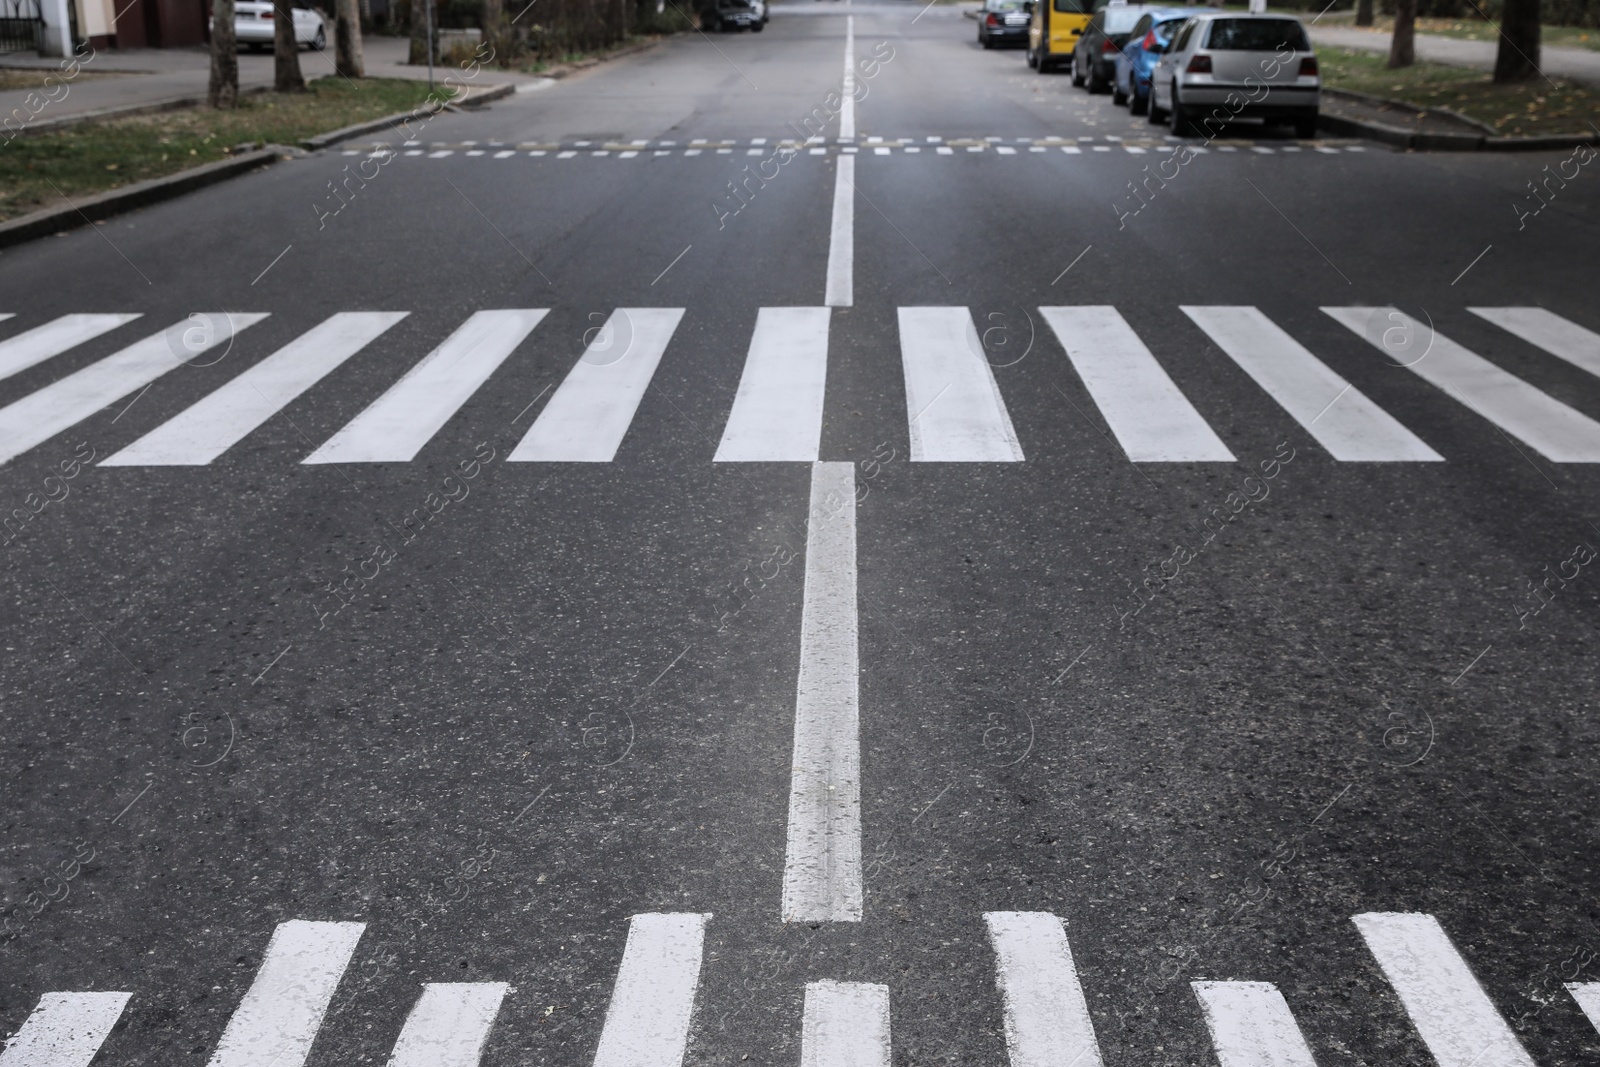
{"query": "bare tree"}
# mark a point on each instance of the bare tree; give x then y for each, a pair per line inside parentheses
(1403, 45)
(1518, 58)
(1364, 12)
(347, 54)
(286, 76)
(494, 26)
(419, 32)
(224, 89)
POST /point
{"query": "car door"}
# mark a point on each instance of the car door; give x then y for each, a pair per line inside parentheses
(1087, 40)
(1124, 61)
(1171, 62)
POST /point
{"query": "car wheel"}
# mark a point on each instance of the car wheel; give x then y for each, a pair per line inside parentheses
(1138, 105)
(1097, 84)
(1118, 97)
(1182, 126)
(1043, 65)
(1154, 115)
(1077, 79)
(1029, 56)
(1306, 128)
(757, 27)
(320, 41)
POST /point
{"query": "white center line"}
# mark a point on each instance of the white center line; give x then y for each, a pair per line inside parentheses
(647, 1024)
(842, 240)
(822, 861)
(847, 109)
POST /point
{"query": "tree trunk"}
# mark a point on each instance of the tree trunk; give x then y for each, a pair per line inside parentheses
(286, 76)
(1403, 45)
(1518, 58)
(494, 26)
(1364, 13)
(419, 33)
(224, 89)
(347, 54)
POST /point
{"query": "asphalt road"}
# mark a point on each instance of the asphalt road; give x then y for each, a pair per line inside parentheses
(563, 694)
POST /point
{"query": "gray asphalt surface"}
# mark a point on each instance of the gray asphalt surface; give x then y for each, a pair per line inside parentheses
(1336, 709)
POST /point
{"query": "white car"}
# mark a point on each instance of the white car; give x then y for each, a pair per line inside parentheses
(1225, 66)
(253, 24)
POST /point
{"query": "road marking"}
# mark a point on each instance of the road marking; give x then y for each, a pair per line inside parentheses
(1449, 1008)
(41, 415)
(847, 88)
(1539, 420)
(1046, 1016)
(224, 418)
(1251, 1025)
(394, 427)
(505, 153)
(1562, 339)
(956, 412)
(589, 414)
(280, 1014)
(842, 237)
(1342, 419)
(53, 338)
(1587, 994)
(846, 1024)
(822, 858)
(65, 1030)
(777, 412)
(448, 1025)
(647, 1024)
(1152, 420)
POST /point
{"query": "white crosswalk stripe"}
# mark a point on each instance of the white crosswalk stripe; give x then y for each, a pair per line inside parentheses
(224, 418)
(64, 1030)
(1539, 420)
(1587, 994)
(953, 404)
(35, 346)
(589, 414)
(277, 1021)
(1152, 420)
(1341, 418)
(1251, 1025)
(39, 416)
(1450, 1010)
(1549, 331)
(395, 426)
(449, 1025)
(846, 1024)
(1046, 1016)
(647, 1023)
(777, 412)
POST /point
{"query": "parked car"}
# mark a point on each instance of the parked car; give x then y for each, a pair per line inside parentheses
(253, 23)
(1053, 28)
(1223, 66)
(1151, 35)
(1094, 56)
(1002, 22)
(734, 15)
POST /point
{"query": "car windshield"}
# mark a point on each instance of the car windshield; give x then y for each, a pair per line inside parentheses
(1004, 6)
(1257, 35)
(1072, 7)
(1120, 19)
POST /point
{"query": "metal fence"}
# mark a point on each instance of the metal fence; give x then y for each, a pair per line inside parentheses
(20, 25)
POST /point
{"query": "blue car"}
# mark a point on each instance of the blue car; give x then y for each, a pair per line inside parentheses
(1150, 36)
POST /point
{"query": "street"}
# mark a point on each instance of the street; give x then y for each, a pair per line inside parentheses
(635, 555)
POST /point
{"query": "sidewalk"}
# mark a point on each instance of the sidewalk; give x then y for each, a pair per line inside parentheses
(1578, 64)
(158, 75)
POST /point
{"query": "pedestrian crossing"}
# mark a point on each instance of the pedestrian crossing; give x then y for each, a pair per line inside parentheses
(956, 407)
(785, 148)
(649, 1020)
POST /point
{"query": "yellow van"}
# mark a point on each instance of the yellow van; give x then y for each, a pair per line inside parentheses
(1054, 31)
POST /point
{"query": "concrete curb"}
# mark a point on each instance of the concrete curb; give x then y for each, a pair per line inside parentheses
(141, 194)
(561, 70)
(1400, 137)
(472, 99)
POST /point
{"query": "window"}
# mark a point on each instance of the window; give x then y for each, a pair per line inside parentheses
(1257, 35)
(1183, 38)
(1142, 27)
(1071, 7)
(1119, 19)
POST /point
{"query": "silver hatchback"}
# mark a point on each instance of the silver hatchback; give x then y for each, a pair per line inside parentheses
(1225, 66)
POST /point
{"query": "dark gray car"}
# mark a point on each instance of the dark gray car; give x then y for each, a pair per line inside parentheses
(1094, 58)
